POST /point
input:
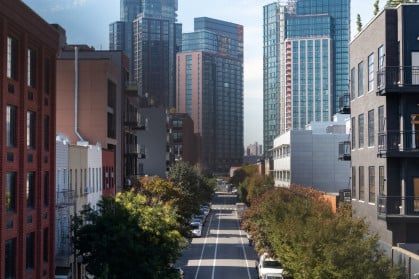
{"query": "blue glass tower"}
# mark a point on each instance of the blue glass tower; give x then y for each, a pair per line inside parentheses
(150, 37)
(210, 90)
(306, 58)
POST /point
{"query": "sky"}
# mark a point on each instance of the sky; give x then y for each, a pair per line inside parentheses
(87, 22)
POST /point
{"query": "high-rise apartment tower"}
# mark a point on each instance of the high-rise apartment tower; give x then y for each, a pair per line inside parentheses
(305, 63)
(150, 37)
(209, 76)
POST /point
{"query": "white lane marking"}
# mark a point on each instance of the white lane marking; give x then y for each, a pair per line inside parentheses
(216, 247)
(203, 247)
(244, 250)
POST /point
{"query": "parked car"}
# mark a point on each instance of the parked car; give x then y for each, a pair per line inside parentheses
(269, 265)
(178, 271)
(201, 217)
(196, 229)
(205, 210)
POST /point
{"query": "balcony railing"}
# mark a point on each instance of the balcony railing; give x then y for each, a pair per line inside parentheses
(397, 79)
(345, 150)
(398, 206)
(398, 141)
(132, 149)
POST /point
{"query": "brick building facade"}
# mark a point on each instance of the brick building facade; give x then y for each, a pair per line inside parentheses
(28, 49)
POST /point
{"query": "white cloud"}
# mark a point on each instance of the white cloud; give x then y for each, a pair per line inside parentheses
(62, 5)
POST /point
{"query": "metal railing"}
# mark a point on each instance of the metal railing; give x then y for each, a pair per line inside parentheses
(132, 148)
(398, 205)
(398, 141)
(397, 77)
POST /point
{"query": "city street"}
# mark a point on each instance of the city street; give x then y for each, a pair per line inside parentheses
(223, 250)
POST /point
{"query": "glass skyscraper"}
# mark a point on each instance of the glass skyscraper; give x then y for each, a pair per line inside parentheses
(150, 37)
(209, 80)
(306, 56)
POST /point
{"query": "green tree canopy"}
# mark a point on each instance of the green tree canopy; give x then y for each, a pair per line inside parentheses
(128, 237)
(298, 226)
(195, 189)
(250, 183)
(376, 7)
(358, 23)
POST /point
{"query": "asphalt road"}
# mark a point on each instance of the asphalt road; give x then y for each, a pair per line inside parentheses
(223, 250)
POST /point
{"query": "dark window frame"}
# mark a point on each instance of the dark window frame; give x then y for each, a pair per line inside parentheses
(371, 184)
(371, 124)
(12, 58)
(361, 131)
(30, 190)
(11, 191)
(31, 74)
(11, 126)
(31, 129)
(30, 251)
(361, 183)
(10, 259)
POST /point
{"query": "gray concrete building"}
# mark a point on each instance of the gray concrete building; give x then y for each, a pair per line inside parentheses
(384, 87)
(310, 157)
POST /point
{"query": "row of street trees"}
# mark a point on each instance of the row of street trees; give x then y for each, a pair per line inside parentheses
(298, 226)
(141, 231)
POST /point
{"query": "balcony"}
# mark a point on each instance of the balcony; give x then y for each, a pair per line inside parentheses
(396, 207)
(131, 89)
(344, 107)
(136, 123)
(397, 80)
(345, 151)
(398, 144)
(132, 149)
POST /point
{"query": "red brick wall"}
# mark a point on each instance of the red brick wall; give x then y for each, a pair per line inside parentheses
(29, 30)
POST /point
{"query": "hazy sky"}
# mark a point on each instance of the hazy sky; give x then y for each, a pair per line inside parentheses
(87, 22)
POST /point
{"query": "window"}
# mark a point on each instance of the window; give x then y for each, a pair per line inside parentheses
(11, 192)
(361, 131)
(10, 259)
(381, 72)
(371, 184)
(361, 79)
(381, 181)
(381, 119)
(371, 128)
(353, 182)
(353, 83)
(371, 72)
(11, 120)
(30, 130)
(353, 133)
(361, 184)
(30, 190)
(46, 133)
(381, 58)
(111, 94)
(46, 189)
(111, 125)
(47, 77)
(31, 67)
(45, 245)
(30, 247)
(11, 58)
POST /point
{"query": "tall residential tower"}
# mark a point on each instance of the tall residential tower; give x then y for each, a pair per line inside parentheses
(149, 35)
(305, 66)
(209, 79)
